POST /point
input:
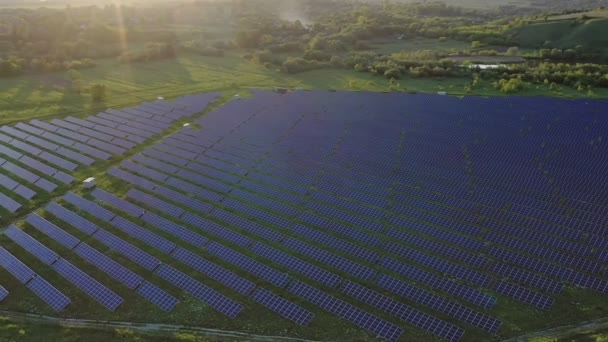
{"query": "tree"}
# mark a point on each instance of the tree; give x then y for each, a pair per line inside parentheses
(98, 92)
(513, 51)
(476, 44)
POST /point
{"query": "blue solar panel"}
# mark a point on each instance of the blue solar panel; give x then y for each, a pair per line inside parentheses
(174, 229)
(49, 294)
(365, 320)
(165, 157)
(88, 285)
(524, 295)
(252, 266)
(175, 151)
(204, 181)
(91, 151)
(15, 267)
(58, 139)
(108, 266)
(20, 172)
(37, 165)
(9, 203)
(283, 307)
(144, 171)
(155, 203)
(143, 234)
(24, 192)
(157, 164)
(247, 225)
(438, 264)
(340, 229)
(82, 159)
(132, 179)
(45, 144)
(117, 202)
(528, 278)
(31, 245)
(211, 172)
(336, 243)
(256, 213)
(14, 132)
(214, 271)
(273, 205)
(72, 218)
(213, 298)
(216, 230)
(45, 185)
(294, 264)
(157, 296)
(89, 207)
(59, 235)
(3, 293)
(328, 258)
(44, 125)
(450, 308)
(58, 161)
(194, 190)
(10, 152)
(411, 315)
(183, 199)
(461, 291)
(133, 253)
(29, 129)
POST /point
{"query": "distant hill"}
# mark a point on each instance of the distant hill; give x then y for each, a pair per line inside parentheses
(565, 33)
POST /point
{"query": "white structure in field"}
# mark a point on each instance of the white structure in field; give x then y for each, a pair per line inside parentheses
(89, 183)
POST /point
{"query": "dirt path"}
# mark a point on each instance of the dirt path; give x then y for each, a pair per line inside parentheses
(563, 331)
(144, 328)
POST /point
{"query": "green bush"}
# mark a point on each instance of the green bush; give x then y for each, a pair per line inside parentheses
(392, 74)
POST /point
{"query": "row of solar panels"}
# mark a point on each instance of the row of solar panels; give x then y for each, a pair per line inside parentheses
(400, 221)
(265, 272)
(299, 111)
(71, 142)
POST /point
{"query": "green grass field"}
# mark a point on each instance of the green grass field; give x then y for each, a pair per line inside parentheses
(565, 33)
(49, 95)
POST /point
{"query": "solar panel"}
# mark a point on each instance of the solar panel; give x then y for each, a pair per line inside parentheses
(247, 225)
(9, 203)
(58, 161)
(89, 207)
(283, 307)
(26, 147)
(31, 245)
(340, 229)
(194, 190)
(14, 132)
(155, 203)
(144, 171)
(363, 319)
(328, 258)
(44, 125)
(448, 307)
(213, 271)
(411, 315)
(38, 166)
(9, 152)
(336, 243)
(131, 178)
(117, 202)
(88, 285)
(49, 294)
(524, 295)
(72, 218)
(45, 144)
(157, 164)
(216, 230)
(113, 149)
(165, 157)
(174, 229)
(108, 266)
(3, 293)
(248, 264)
(204, 293)
(59, 235)
(204, 181)
(256, 213)
(461, 291)
(45, 185)
(182, 199)
(143, 234)
(58, 139)
(157, 296)
(82, 159)
(297, 265)
(175, 151)
(15, 267)
(79, 122)
(91, 151)
(24, 192)
(7, 182)
(133, 253)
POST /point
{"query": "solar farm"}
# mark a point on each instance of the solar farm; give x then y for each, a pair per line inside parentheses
(311, 214)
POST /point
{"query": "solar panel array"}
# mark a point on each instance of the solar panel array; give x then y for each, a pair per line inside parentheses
(418, 216)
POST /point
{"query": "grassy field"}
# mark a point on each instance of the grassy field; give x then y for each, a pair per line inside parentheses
(591, 34)
(49, 95)
(395, 46)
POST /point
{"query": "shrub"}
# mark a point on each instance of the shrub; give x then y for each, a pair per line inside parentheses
(392, 73)
(98, 92)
